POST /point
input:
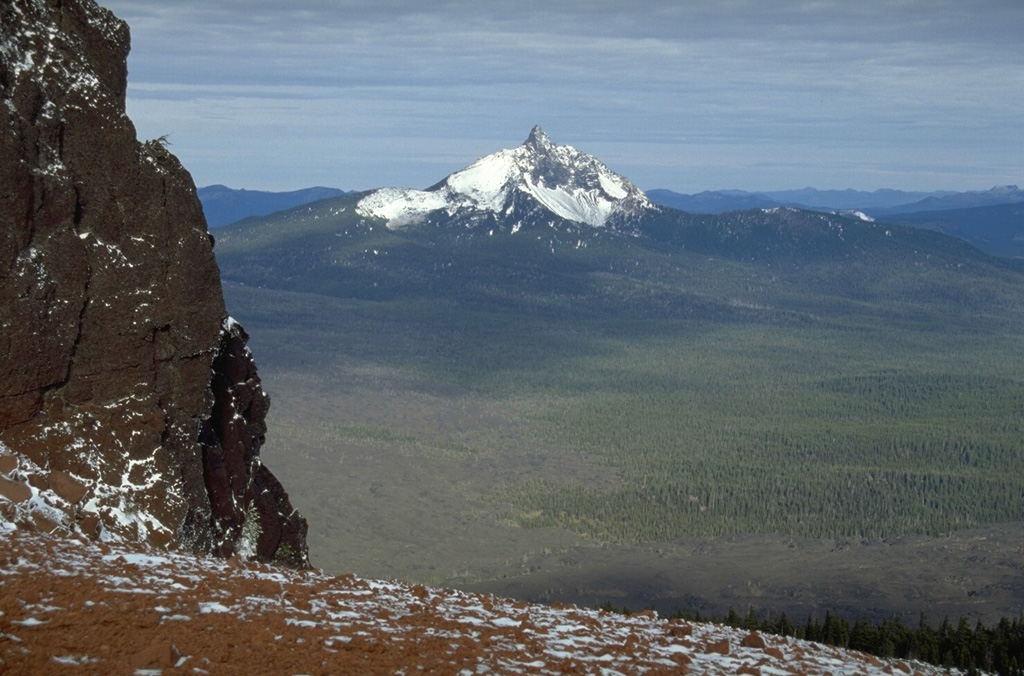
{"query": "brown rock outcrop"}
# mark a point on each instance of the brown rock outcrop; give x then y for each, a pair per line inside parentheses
(753, 640)
(115, 351)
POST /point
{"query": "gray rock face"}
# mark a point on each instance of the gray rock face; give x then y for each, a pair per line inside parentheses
(115, 352)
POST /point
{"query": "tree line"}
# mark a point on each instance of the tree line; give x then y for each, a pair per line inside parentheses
(973, 648)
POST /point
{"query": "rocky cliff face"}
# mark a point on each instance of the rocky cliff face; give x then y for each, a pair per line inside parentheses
(129, 405)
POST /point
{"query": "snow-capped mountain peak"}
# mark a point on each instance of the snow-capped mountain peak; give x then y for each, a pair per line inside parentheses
(538, 140)
(512, 183)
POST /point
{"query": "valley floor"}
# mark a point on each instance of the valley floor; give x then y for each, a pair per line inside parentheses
(973, 573)
(75, 606)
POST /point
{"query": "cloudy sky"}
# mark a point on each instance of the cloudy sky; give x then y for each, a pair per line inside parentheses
(690, 95)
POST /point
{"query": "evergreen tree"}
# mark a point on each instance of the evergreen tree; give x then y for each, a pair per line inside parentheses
(863, 636)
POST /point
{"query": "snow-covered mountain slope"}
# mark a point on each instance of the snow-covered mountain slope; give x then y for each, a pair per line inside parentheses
(569, 184)
(75, 606)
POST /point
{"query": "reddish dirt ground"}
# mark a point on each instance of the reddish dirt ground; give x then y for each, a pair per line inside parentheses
(70, 605)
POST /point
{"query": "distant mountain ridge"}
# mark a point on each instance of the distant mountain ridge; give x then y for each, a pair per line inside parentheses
(991, 220)
(850, 199)
(541, 223)
(481, 193)
(523, 217)
(1000, 194)
(995, 229)
(875, 203)
(711, 201)
(223, 205)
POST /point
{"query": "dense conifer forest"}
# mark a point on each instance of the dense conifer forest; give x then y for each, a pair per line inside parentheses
(971, 647)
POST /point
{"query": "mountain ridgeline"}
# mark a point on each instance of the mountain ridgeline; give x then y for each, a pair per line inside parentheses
(547, 227)
(223, 205)
(878, 203)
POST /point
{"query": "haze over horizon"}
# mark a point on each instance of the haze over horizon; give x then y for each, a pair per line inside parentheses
(912, 95)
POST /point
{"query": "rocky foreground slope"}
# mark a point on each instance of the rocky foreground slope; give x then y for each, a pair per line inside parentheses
(127, 396)
(78, 606)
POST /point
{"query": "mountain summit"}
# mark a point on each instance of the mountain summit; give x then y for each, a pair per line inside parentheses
(537, 181)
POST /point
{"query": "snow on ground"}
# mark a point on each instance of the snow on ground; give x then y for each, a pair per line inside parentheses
(485, 182)
(71, 605)
(401, 206)
(574, 204)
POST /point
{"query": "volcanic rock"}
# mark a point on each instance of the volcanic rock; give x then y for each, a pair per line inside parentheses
(117, 359)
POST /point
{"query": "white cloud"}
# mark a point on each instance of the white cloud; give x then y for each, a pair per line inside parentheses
(743, 93)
